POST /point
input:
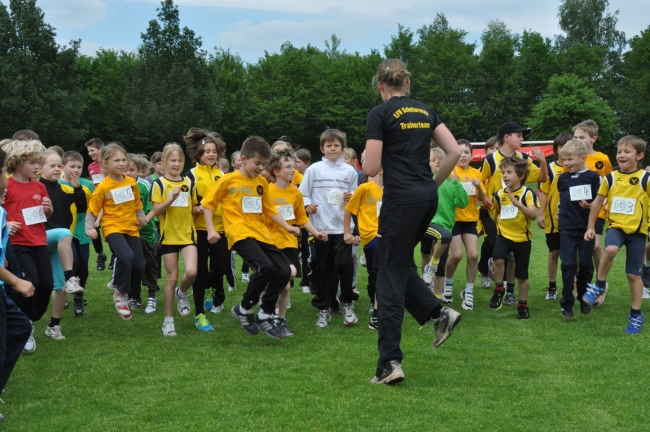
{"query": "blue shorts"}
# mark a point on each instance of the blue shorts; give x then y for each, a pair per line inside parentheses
(634, 248)
(54, 236)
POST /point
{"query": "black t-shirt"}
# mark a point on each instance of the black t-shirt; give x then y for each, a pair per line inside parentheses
(404, 126)
(571, 214)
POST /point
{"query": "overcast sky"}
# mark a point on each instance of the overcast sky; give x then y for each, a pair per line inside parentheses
(249, 27)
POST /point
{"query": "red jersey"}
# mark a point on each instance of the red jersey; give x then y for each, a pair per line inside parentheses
(95, 172)
(24, 204)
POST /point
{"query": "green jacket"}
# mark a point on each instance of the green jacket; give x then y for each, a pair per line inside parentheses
(451, 195)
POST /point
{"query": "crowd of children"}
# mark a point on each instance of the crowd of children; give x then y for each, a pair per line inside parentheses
(287, 217)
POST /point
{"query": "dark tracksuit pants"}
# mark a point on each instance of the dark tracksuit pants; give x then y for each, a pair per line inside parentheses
(372, 273)
(15, 329)
(487, 248)
(34, 261)
(305, 250)
(129, 263)
(332, 263)
(572, 243)
(272, 271)
(210, 275)
(399, 285)
(150, 272)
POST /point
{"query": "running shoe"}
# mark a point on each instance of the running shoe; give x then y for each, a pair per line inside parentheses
(391, 375)
(429, 273)
(183, 303)
(111, 264)
(497, 299)
(269, 327)
(646, 293)
(468, 300)
(30, 346)
(284, 328)
(635, 323)
(246, 320)
(54, 332)
(168, 328)
(567, 314)
(201, 323)
(551, 294)
(101, 261)
(485, 281)
(152, 304)
(217, 309)
(509, 299)
(445, 325)
(592, 294)
(245, 277)
(349, 317)
(374, 323)
(122, 305)
(523, 312)
(71, 286)
(208, 299)
(324, 319)
(601, 298)
(448, 293)
(79, 306)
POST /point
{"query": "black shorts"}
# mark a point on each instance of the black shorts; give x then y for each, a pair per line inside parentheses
(169, 249)
(600, 226)
(464, 228)
(553, 242)
(426, 245)
(293, 256)
(521, 251)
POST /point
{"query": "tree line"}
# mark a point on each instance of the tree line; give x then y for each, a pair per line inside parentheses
(147, 98)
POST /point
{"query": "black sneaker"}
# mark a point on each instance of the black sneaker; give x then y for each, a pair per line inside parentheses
(101, 261)
(585, 309)
(567, 314)
(269, 327)
(247, 320)
(111, 264)
(374, 323)
(523, 312)
(391, 375)
(136, 304)
(79, 306)
(497, 299)
(284, 328)
(66, 305)
(445, 325)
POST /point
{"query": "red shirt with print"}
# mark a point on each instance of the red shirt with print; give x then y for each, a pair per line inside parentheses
(22, 196)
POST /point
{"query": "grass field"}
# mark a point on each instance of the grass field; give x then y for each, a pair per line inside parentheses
(495, 373)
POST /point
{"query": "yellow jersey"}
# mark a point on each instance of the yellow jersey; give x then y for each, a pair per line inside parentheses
(202, 178)
(297, 178)
(290, 205)
(511, 222)
(243, 201)
(549, 187)
(469, 213)
(177, 222)
(120, 200)
(365, 203)
(628, 200)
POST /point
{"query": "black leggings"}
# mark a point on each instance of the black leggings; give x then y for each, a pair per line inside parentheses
(35, 263)
(129, 263)
(212, 275)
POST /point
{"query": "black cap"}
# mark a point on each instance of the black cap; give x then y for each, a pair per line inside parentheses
(511, 127)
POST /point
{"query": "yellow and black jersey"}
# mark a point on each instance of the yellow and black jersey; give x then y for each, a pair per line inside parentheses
(297, 178)
(549, 187)
(491, 173)
(176, 223)
(291, 206)
(202, 178)
(628, 200)
(511, 222)
(365, 203)
(243, 200)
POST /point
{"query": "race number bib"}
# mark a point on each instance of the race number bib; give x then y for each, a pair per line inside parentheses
(623, 205)
(469, 188)
(286, 211)
(122, 195)
(251, 204)
(579, 193)
(181, 200)
(98, 178)
(378, 208)
(34, 215)
(335, 196)
(508, 212)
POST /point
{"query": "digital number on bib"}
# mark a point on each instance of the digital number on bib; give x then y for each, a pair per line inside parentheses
(122, 195)
(34, 215)
(623, 205)
(251, 204)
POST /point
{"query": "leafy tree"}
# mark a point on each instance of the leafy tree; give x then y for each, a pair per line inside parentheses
(536, 63)
(569, 100)
(401, 46)
(39, 86)
(589, 22)
(635, 93)
(231, 79)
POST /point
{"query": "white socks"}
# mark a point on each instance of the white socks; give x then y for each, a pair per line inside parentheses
(469, 288)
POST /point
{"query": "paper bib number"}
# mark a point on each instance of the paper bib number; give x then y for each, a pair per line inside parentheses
(469, 188)
(122, 195)
(579, 193)
(286, 211)
(378, 208)
(34, 215)
(251, 204)
(181, 200)
(98, 178)
(509, 212)
(335, 196)
(623, 205)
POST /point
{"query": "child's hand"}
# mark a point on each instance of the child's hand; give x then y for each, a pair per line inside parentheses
(538, 154)
(141, 222)
(294, 230)
(74, 180)
(557, 217)
(92, 233)
(311, 208)
(322, 236)
(14, 227)
(213, 237)
(515, 202)
(47, 206)
(487, 203)
(590, 234)
(200, 209)
(453, 175)
(346, 196)
(476, 182)
(24, 287)
(174, 194)
(348, 238)
(585, 204)
(541, 222)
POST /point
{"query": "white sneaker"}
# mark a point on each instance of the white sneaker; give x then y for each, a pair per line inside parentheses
(448, 293)
(54, 332)
(122, 305)
(362, 260)
(231, 288)
(324, 319)
(183, 304)
(216, 309)
(349, 318)
(30, 346)
(72, 286)
(306, 290)
(245, 277)
(485, 281)
(152, 304)
(168, 329)
(111, 285)
(468, 300)
(646, 293)
(428, 273)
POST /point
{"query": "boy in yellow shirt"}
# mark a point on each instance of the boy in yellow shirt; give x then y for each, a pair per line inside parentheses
(244, 197)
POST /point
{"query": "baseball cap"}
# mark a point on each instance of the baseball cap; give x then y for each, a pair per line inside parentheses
(511, 127)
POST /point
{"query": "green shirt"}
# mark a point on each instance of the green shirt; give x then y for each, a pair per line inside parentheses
(79, 228)
(147, 232)
(451, 194)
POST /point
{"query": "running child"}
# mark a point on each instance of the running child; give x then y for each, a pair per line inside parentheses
(303, 160)
(326, 187)
(119, 198)
(28, 206)
(515, 206)
(94, 147)
(577, 188)
(549, 200)
(288, 201)
(627, 191)
(465, 231)
(174, 200)
(244, 197)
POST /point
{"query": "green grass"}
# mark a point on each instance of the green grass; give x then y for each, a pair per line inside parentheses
(495, 373)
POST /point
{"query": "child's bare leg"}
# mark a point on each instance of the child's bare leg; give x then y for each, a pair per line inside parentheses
(636, 289)
(64, 250)
(607, 261)
(58, 303)
(524, 287)
(471, 249)
(171, 269)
